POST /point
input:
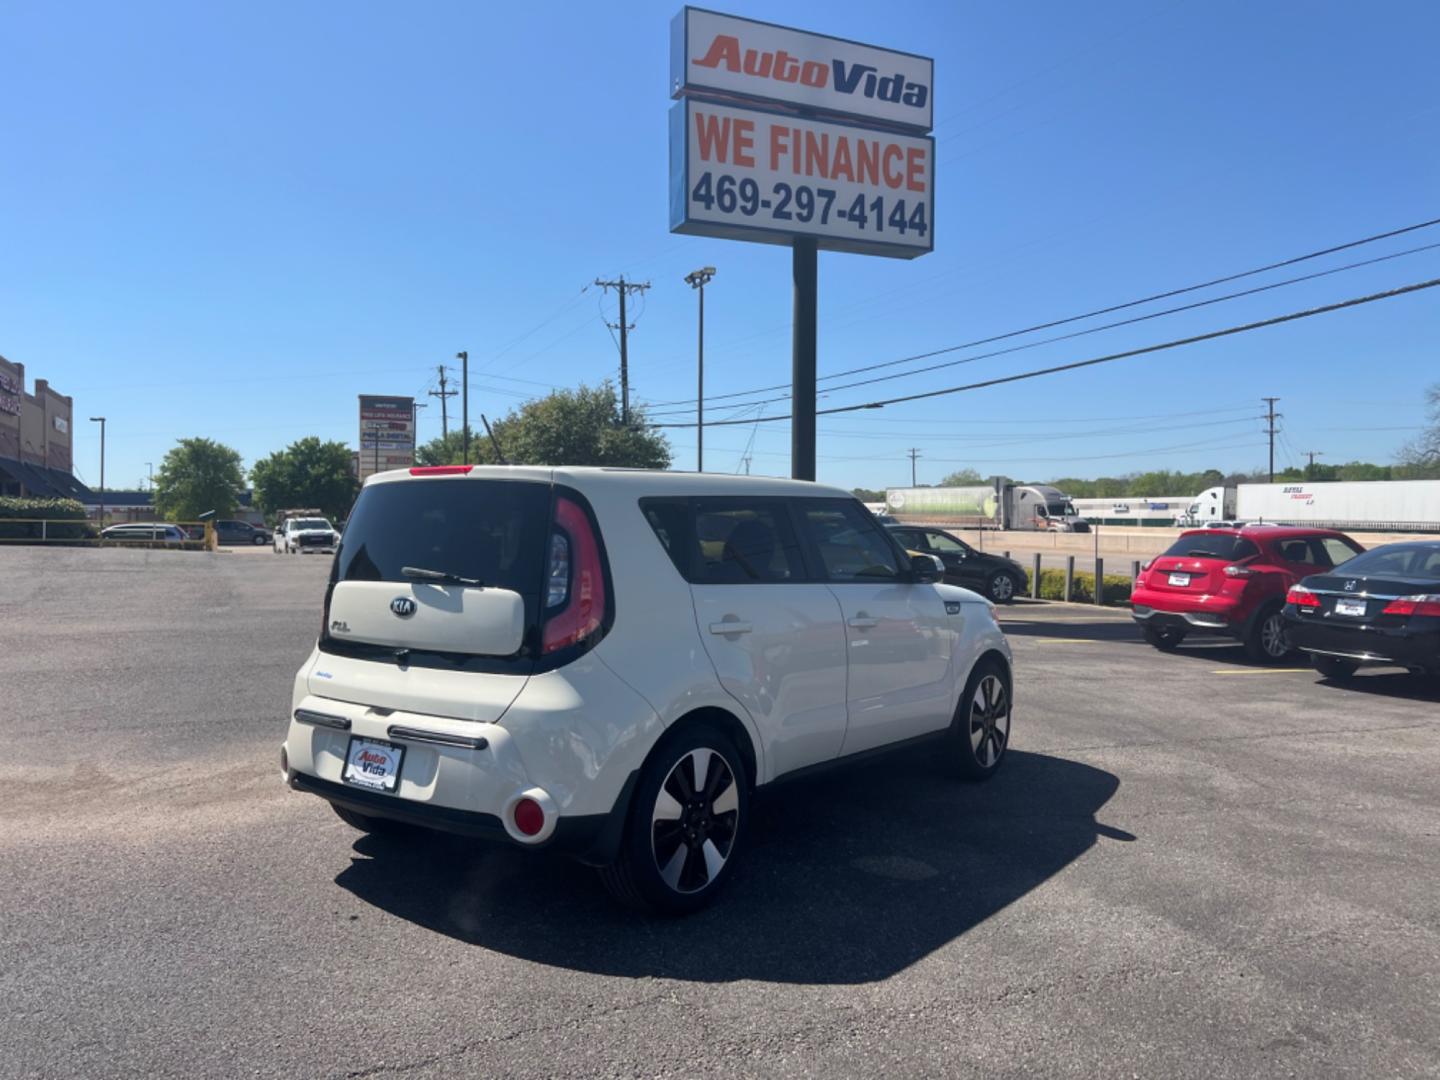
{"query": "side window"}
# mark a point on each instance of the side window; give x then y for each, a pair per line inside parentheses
(850, 546)
(948, 544)
(910, 539)
(671, 521)
(744, 541)
(1296, 551)
(1336, 551)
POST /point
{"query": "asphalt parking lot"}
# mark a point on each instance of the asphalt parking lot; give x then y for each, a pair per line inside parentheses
(1189, 867)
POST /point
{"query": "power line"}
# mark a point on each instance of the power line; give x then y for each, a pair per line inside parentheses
(1178, 342)
(1064, 337)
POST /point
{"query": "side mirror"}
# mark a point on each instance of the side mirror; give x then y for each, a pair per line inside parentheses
(926, 569)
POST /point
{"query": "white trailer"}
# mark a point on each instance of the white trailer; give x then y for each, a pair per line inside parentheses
(1374, 505)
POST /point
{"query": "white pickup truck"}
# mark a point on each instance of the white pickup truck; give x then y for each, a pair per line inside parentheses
(306, 535)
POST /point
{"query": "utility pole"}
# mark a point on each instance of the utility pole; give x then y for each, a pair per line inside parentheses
(150, 465)
(914, 453)
(697, 280)
(624, 288)
(464, 358)
(746, 459)
(443, 394)
(1312, 455)
(101, 421)
(1271, 416)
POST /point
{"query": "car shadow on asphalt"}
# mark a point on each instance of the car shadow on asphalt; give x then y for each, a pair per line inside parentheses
(850, 877)
(1072, 630)
(1388, 682)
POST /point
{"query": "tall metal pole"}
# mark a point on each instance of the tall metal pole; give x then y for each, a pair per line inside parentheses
(802, 360)
(101, 421)
(464, 358)
(698, 279)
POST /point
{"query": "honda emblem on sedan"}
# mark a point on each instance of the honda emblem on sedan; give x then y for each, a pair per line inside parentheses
(1349, 586)
(403, 606)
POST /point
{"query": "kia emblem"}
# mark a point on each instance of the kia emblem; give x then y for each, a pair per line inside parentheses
(403, 606)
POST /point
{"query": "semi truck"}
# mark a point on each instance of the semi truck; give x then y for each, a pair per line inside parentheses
(1370, 505)
(1002, 505)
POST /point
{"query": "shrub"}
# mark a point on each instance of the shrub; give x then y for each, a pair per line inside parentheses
(1052, 587)
(52, 510)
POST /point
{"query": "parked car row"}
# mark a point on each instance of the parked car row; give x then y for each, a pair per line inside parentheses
(1280, 590)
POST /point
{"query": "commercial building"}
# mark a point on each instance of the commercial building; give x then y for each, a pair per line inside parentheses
(36, 431)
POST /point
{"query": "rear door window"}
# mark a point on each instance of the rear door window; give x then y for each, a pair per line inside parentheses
(727, 541)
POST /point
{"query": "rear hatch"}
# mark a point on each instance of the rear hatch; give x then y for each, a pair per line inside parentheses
(1195, 563)
(434, 598)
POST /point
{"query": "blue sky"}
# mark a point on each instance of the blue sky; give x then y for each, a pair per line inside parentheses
(229, 220)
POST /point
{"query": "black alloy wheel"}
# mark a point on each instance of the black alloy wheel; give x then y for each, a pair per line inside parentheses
(685, 824)
(1268, 641)
(980, 731)
(1001, 587)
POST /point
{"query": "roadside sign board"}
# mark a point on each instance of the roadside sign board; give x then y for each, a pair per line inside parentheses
(742, 173)
(726, 56)
(387, 433)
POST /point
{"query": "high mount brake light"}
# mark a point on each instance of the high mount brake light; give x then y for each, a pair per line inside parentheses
(1424, 604)
(1302, 597)
(584, 598)
(440, 470)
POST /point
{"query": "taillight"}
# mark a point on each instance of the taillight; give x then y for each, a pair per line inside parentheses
(440, 470)
(575, 581)
(1236, 570)
(1302, 597)
(1424, 604)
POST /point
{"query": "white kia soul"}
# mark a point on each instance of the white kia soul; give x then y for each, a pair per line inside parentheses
(608, 662)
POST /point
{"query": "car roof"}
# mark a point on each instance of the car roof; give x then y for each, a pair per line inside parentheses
(1262, 531)
(640, 481)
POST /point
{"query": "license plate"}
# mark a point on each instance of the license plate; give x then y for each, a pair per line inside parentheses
(373, 764)
(1180, 579)
(1349, 607)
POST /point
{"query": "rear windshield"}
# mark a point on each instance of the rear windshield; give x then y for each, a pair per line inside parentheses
(1226, 546)
(492, 531)
(1398, 560)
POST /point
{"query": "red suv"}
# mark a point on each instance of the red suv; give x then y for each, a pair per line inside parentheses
(1232, 581)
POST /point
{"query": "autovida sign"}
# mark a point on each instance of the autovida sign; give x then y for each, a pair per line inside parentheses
(783, 133)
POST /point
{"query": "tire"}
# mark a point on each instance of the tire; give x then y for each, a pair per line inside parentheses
(258, 541)
(374, 826)
(1001, 587)
(679, 845)
(1333, 667)
(1164, 638)
(1267, 641)
(980, 731)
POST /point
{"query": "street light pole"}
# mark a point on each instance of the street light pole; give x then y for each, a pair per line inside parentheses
(697, 280)
(464, 358)
(415, 407)
(101, 421)
(150, 465)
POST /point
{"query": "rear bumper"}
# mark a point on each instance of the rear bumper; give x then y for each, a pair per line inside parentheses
(593, 838)
(1410, 645)
(1218, 614)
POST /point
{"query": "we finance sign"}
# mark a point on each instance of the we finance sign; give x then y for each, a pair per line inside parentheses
(726, 56)
(751, 174)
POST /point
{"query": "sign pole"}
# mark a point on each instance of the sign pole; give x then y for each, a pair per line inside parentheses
(802, 360)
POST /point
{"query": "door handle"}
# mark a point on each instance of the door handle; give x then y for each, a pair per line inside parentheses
(862, 622)
(730, 626)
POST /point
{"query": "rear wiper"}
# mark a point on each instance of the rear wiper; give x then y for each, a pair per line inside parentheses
(440, 575)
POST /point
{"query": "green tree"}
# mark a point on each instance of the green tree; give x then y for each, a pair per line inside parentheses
(306, 473)
(868, 494)
(197, 476)
(962, 478)
(568, 427)
(1362, 470)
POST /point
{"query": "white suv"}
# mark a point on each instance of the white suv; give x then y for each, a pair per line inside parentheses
(607, 662)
